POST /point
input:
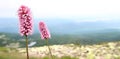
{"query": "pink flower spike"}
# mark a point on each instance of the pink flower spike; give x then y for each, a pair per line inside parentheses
(25, 19)
(45, 34)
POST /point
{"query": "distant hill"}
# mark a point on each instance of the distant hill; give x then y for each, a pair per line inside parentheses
(93, 37)
(60, 26)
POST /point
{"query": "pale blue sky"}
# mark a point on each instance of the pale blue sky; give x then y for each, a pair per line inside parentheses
(77, 10)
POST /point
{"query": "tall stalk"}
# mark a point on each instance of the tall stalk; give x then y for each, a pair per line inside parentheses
(27, 46)
(50, 53)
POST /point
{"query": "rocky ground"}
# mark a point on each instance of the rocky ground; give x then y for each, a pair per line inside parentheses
(109, 50)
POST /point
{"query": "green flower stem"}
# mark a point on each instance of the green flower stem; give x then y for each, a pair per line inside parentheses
(27, 46)
(49, 49)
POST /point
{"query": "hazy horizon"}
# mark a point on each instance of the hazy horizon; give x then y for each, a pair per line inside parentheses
(63, 15)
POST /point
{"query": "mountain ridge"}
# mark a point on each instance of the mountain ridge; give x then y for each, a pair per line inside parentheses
(61, 26)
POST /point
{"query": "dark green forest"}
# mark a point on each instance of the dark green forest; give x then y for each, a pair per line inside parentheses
(11, 39)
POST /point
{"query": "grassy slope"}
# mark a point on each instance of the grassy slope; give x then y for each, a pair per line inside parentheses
(109, 50)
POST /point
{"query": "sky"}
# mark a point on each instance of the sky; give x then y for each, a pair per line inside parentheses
(77, 10)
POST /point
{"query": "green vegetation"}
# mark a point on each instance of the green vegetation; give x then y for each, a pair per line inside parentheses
(10, 39)
(86, 46)
(3, 49)
(101, 51)
(14, 55)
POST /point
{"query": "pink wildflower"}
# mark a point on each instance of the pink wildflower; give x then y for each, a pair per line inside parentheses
(44, 31)
(25, 20)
